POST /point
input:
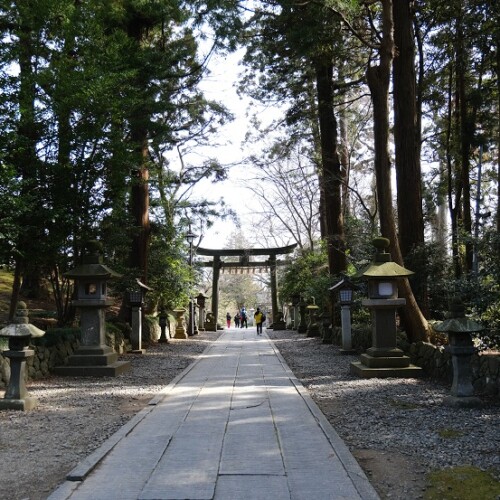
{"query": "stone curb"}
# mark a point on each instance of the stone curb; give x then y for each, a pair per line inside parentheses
(88, 464)
(354, 470)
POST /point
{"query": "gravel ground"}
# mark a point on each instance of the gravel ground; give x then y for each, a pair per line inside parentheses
(397, 429)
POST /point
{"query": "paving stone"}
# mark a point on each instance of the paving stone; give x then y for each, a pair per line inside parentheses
(237, 426)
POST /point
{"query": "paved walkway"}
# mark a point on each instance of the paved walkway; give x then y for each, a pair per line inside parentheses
(235, 425)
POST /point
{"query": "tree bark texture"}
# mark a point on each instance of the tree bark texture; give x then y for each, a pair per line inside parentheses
(331, 168)
(407, 161)
(407, 148)
(139, 198)
(378, 78)
(465, 143)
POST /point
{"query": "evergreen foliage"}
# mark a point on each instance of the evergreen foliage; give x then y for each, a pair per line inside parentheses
(95, 96)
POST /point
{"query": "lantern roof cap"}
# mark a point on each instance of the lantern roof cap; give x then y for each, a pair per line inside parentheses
(456, 321)
(458, 325)
(92, 266)
(21, 327)
(345, 282)
(382, 265)
(92, 271)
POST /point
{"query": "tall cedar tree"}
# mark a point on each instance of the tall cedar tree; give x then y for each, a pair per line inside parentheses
(378, 78)
(291, 47)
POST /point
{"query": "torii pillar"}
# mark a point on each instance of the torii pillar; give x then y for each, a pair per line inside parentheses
(245, 262)
(278, 323)
(215, 288)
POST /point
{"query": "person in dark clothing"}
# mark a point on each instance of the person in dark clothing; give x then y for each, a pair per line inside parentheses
(243, 319)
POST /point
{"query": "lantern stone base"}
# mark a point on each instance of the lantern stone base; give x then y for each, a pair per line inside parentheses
(361, 370)
(385, 361)
(28, 403)
(347, 352)
(93, 362)
(180, 333)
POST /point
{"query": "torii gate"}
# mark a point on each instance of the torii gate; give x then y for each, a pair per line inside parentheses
(244, 262)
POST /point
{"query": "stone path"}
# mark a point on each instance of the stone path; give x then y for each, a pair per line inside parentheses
(235, 425)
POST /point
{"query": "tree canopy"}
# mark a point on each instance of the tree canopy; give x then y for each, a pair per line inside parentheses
(386, 122)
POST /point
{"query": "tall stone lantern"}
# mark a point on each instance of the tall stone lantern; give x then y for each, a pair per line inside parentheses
(19, 334)
(313, 327)
(136, 300)
(302, 328)
(200, 301)
(384, 358)
(93, 358)
(461, 347)
(345, 291)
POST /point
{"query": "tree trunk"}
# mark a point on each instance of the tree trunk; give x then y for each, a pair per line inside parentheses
(331, 168)
(407, 147)
(26, 161)
(498, 143)
(407, 161)
(378, 78)
(139, 198)
(465, 144)
(344, 161)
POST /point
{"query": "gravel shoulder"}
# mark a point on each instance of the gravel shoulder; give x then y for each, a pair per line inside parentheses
(393, 427)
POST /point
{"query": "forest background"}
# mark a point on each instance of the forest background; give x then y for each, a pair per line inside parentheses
(385, 120)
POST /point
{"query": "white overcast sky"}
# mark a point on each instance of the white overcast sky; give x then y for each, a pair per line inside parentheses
(220, 86)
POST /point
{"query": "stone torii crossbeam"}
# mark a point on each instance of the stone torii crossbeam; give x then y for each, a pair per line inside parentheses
(218, 265)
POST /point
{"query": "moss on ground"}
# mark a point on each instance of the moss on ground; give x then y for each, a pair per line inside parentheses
(462, 483)
(450, 433)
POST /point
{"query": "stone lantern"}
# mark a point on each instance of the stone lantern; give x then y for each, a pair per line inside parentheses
(295, 311)
(93, 358)
(302, 328)
(384, 358)
(180, 327)
(345, 290)
(459, 330)
(136, 300)
(210, 323)
(163, 321)
(19, 334)
(313, 327)
(201, 300)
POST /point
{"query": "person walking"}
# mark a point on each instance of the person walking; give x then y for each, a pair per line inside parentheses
(259, 318)
(237, 318)
(243, 319)
(228, 320)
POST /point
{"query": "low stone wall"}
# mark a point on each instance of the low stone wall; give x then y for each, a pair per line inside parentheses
(57, 345)
(436, 362)
(50, 350)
